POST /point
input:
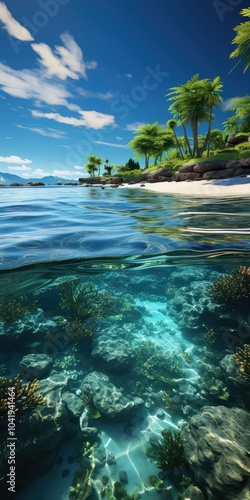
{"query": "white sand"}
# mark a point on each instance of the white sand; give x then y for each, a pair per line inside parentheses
(235, 186)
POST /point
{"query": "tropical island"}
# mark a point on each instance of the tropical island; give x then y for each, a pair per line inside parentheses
(219, 154)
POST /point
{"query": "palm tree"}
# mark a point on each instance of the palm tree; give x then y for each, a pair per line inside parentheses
(149, 142)
(242, 39)
(93, 165)
(212, 99)
(190, 101)
(193, 103)
(172, 124)
(241, 107)
(108, 167)
(231, 125)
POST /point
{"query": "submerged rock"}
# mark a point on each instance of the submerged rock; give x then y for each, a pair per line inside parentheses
(216, 446)
(35, 366)
(113, 354)
(108, 399)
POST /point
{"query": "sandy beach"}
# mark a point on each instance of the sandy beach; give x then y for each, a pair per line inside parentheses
(235, 186)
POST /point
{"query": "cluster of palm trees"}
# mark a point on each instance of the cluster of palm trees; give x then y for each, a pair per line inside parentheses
(94, 165)
(193, 103)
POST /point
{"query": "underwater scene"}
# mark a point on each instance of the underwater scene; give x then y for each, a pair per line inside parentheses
(125, 345)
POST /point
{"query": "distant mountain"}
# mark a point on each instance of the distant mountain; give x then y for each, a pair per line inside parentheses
(6, 178)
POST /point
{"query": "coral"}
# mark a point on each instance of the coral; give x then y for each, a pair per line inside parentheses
(12, 310)
(242, 358)
(81, 488)
(209, 336)
(77, 332)
(170, 453)
(232, 290)
(154, 364)
(169, 403)
(245, 270)
(83, 301)
(25, 396)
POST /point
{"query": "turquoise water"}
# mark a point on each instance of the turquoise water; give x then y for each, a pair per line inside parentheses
(116, 297)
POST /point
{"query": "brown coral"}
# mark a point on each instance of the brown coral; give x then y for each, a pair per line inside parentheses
(232, 290)
(242, 358)
(20, 395)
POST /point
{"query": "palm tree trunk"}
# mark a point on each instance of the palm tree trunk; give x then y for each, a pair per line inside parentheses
(207, 140)
(178, 144)
(194, 127)
(186, 139)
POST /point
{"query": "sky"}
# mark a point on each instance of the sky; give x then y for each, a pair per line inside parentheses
(78, 77)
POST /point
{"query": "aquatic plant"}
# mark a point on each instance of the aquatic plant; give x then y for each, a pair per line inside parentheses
(242, 358)
(170, 452)
(76, 331)
(12, 310)
(232, 290)
(83, 301)
(169, 403)
(81, 488)
(154, 364)
(118, 492)
(25, 395)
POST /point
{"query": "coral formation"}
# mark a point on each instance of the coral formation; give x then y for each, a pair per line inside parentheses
(170, 453)
(87, 400)
(77, 331)
(232, 290)
(83, 301)
(242, 358)
(25, 395)
(12, 310)
(154, 364)
(81, 488)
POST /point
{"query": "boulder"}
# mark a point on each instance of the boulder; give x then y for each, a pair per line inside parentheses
(112, 354)
(74, 405)
(209, 165)
(187, 168)
(188, 176)
(116, 180)
(113, 405)
(216, 443)
(216, 174)
(35, 366)
(244, 162)
(237, 139)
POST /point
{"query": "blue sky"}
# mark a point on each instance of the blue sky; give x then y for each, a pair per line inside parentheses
(77, 77)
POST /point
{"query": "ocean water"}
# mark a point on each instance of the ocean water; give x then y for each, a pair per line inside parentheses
(120, 311)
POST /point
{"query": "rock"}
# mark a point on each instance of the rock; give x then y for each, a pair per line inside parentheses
(193, 493)
(216, 174)
(89, 433)
(188, 176)
(237, 139)
(35, 366)
(116, 180)
(108, 399)
(216, 443)
(233, 164)
(123, 477)
(74, 404)
(187, 168)
(112, 354)
(245, 162)
(207, 166)
(99, 458)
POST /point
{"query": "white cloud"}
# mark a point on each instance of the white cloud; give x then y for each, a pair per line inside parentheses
(104, 96)
(114, 145)
(133, 126)
(125, 75)
(56, 134)
(38, 173)
(68, 174)
(14, 159)
(28, 84)
(77, 167)
(90, 119)
(12, 26)
(66, 61)
(23, 167)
